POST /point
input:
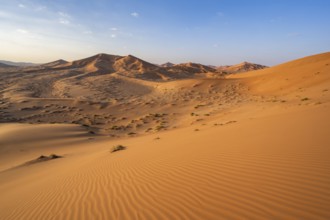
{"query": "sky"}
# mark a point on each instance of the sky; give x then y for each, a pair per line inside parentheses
(212, 32)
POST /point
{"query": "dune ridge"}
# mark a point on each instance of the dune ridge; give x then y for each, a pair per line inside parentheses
(241, 67)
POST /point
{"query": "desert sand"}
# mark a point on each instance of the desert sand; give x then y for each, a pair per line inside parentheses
(252, 145)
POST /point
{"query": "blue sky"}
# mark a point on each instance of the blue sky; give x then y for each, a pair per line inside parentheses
(213, 32)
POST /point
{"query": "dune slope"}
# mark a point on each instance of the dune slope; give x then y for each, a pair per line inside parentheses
(252, 169)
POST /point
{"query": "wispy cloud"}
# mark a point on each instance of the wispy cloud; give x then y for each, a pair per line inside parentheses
(34, 7)
(87, 32)
(63, 14)
(4, 14)
(40, 8)
(64, 21)
(113, 36)
(135, 14)
(114, 29)
(220, 14)
(22, 31)
(64, 18)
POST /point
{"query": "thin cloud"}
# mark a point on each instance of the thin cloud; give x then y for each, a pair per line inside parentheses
(114, 29)
(4, 14)
(63, 21)
(135, 14)
(64, 15)
(22, 31)
(113, 36)
(40, 8)
(88, 32)
(64, 18)
(21, 6)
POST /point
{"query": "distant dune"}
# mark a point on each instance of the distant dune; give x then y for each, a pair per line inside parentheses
(191, 69)
(56, 63)
(19, 64)
(168, 64)
(241, 67)
(2, 65)
(137, 68)
(196, 143)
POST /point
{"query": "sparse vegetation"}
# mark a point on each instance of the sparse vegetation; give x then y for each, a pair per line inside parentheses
(159, 127)
(115, 127)
(305, 99)
(43, 158)
(54, 156)
(198, 106)
(149, 129)
(117, 148)
(157, 115)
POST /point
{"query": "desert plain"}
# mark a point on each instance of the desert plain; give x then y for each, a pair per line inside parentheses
(198, 142)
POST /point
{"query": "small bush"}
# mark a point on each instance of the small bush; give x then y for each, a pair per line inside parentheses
(50, 157)
(118, 148)
(159, 127)
(305, 99)
(54, 156)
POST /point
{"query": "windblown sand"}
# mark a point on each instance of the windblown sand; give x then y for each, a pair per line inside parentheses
(251, 146)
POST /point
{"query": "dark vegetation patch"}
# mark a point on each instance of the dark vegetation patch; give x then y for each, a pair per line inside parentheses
(118, 148)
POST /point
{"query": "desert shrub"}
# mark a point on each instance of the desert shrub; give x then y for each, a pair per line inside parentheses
(117, 148)
(159, 127)
(54, 156)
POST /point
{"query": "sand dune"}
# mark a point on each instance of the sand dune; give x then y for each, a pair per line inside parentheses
(21, 142)
(220, 173)
(241, 67)
(2, 65)
(249, 146)
(56, 63)
(288, 77)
